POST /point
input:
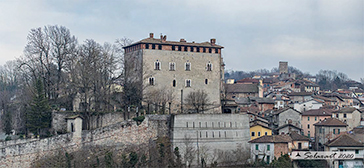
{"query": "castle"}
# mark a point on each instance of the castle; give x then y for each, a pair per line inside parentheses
(176, 69)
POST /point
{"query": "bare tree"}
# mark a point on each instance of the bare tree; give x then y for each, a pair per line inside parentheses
(159, 98)
(198, 101)
(189, 150)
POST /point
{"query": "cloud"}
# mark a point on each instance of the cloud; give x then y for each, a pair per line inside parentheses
(255, 34)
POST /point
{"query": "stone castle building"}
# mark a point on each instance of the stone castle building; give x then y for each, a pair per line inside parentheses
(168, 71)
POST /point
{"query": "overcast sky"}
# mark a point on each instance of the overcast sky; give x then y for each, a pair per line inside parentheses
(311, 34)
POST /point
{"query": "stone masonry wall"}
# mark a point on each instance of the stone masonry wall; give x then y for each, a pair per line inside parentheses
(59, 122)
(22, 153)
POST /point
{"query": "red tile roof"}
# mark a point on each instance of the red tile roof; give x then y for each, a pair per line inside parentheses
(346, 110)
(331, 122)
(272, 139)
(318, 112)
(298, 137)
(159, 41)
(344, 141)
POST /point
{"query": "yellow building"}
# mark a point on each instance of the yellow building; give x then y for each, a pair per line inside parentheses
(257, 130)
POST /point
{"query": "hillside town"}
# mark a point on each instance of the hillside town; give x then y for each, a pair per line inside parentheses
(174, 106)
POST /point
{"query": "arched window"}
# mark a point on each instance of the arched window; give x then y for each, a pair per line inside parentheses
(188, 66)
(209, 67)
(174, 83)
(188, 83)
(172, 66)
(157, 65)
(151, 81)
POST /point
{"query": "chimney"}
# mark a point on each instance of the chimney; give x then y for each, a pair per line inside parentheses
(163, 38)
(213, 41)
(151, 35)
(182, 40)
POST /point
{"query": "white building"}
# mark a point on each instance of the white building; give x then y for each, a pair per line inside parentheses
(207, 135)
(346, 143)
(307, 105)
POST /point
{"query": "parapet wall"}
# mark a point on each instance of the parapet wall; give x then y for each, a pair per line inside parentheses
(59, 123)
(22, 153)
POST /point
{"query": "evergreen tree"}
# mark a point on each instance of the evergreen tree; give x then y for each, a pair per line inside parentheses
(39, 115)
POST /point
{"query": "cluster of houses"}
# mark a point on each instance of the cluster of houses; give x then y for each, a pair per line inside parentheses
(295, 115)
(285, 113)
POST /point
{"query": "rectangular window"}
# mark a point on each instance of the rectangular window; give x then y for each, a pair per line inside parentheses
(172, 66)
(344, 115)
(188, 66)
(258, 133)
(179, 48)
(209, 67)
(216, 50)
(268, 147)
(315, 118)
(266, 133)
(320, 130)
(191, 49)
(159, 47)
(308, 118)
(356, 151)
(268, 159)
(153, 46)
(151, 81)
(173, 47)
(253, 134)
(188, 83)
(308, 126)
(256, 147)
(334, 131)
(157, 65)
(309, 134)
(146, 46)
(338, 131)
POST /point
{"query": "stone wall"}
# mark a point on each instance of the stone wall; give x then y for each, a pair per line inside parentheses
(59, 123)
(197, 75)
(22, 153)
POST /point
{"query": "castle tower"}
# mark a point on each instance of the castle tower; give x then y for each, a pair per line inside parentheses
(283, 67)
